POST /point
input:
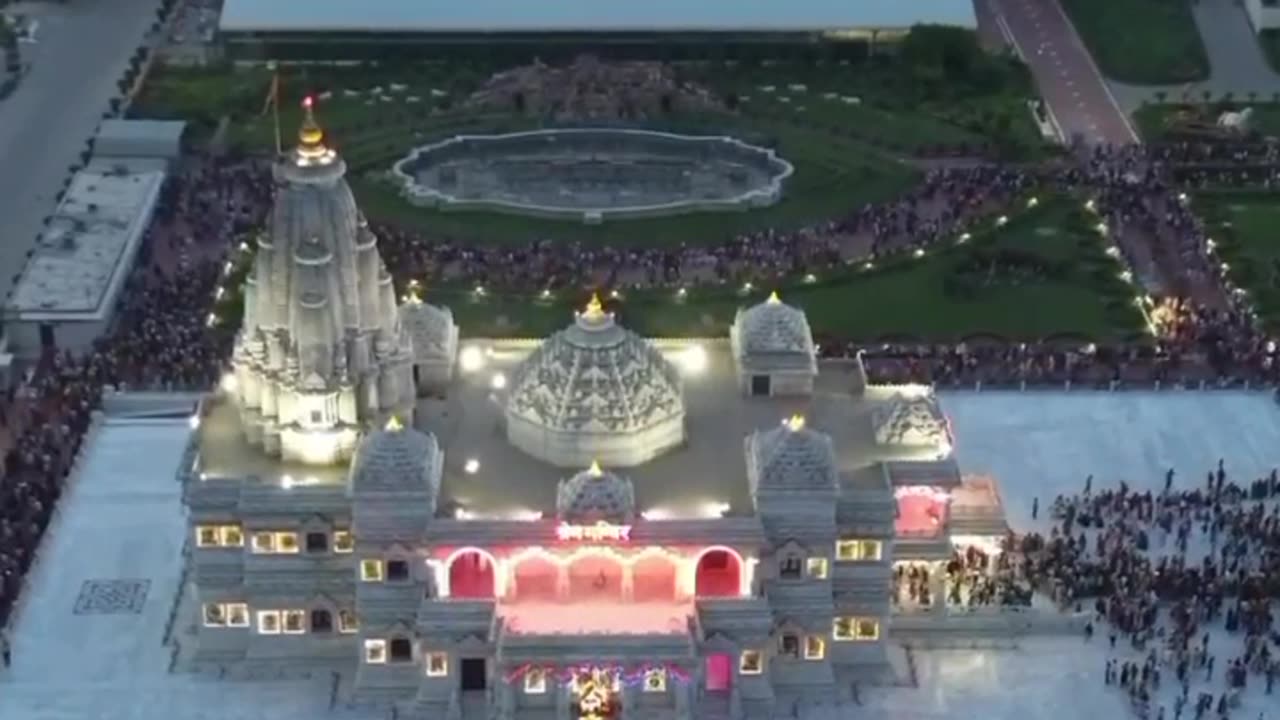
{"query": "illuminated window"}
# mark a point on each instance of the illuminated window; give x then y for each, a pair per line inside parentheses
(371, 570)
(263, 542)
(815, 648)
(207, 536)
(655, 680)
(237, 614)
(751, 662)
(858, 550)
(342, 541)
(859, 629)
(535, 681)
(437, 664)
(375, 652)
(214, 615)
(789, 645)
(231, 536)
(817, 568)
(295, 621)
(287, 542)
(347, 622)
(269, 622)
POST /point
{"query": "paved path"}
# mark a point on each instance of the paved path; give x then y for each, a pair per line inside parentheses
(82, 49)
(1237, 63)
(1077, 96)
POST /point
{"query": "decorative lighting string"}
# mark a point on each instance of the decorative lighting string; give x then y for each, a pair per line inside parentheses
(633, 677)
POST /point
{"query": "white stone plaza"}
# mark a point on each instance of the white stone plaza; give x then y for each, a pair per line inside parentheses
(90, 638)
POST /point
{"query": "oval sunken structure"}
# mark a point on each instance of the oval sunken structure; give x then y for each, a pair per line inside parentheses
(592, 174)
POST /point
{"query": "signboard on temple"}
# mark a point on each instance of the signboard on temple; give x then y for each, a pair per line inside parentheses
(599, 532)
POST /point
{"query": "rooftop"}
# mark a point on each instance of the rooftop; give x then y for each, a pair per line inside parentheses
(409, 16)
(82, 257)
(485, 476)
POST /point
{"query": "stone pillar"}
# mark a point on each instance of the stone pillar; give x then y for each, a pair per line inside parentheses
(564, 702)
(938, 588)
(683, 700)
(629, 700)
(506, 699)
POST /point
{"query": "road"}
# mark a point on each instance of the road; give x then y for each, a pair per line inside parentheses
(1077, 96)
(82, 48)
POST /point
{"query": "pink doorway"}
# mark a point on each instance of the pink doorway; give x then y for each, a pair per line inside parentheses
(471, 576)
(719, 672)
(719, 574)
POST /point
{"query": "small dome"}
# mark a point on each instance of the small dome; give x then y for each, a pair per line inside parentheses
(773, 327)
(430, 327)
(395, 458)
(911, 420)
(595, 495)
(792, 457)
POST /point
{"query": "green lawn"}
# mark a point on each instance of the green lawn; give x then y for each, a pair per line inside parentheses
(1162, 121)
(1145, 42)
(1243, 226)
(907, 297)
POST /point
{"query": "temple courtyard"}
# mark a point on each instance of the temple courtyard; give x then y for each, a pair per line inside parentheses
(90, 641)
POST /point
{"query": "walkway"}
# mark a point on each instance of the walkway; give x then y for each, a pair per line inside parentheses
(81, 51)
(1078, 98)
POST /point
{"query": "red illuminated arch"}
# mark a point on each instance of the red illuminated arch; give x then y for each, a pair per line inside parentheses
(718, 573)
(472, 574)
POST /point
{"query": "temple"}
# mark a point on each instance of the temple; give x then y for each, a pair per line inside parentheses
(593, 525)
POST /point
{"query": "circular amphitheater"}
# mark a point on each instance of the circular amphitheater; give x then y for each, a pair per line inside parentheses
(592, 175)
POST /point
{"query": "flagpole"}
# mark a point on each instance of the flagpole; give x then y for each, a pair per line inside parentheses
(275, 106)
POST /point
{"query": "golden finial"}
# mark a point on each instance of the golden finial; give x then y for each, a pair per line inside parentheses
(795, 423)
(594, 470)
(595, 309)
(310, 134)
(773, 298)
(394, 424)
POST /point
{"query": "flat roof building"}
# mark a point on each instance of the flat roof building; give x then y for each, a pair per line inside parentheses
(66, 295)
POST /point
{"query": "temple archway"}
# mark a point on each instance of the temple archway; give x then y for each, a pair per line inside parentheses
(472, 575)
(535, 579)
(654, 579)
(718, 573)
(595, 577)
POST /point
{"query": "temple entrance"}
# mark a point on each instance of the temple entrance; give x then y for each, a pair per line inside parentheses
(760, 385)
(719, 673)
(535, 580)
(471, 576)
(474, 674)
(47, 340)
(654, 580)
(595, 577)
(719, 574)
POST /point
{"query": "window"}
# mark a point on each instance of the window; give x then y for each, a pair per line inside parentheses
(287, 542)
(815, 648)
(751, 662)
(535, 681)
(212, 536)
(342, 541)
(269, 622)
(371, 570)
(317, 417)
(789, 568)
(375, 652)
(817, 568)
(295, 621)
(206, 536)
(655, 680)
(214, 615)
(237, 614)
(317, 542)
(347, 622)
(397, 570)
(321, 621)
(864, 550)
(401, 650)
(263, 542)
(789, 645)
(850, 628)
(231, 536)
(437, 664)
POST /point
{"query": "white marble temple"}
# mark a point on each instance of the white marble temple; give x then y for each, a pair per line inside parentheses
(123, 520)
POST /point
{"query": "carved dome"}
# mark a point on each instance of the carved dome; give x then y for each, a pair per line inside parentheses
(595, 391)
(396, 458)
(430, 327)
(595, 495)
(791, 457)
(914, 420)
(774, 327)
